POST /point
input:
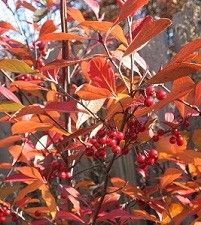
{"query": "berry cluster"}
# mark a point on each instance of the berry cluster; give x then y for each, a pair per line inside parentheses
(176, 137)
(135, 127)
(147, 159)
(28, 77)
(157, 136)
(105, 139)
(41, 47)
(150, 92)
(59, 170)
(4, 212)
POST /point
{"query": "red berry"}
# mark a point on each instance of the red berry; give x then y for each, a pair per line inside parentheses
(175, 132)
(89, 151)
(119, 135)
(14, 218)
(149, 101)
(64, 175)
(150, 91)
(151, 161)
(37, 213)
(41, 46)
(116, 149)
(93, 141)
(101, 133)
(103, 140)
(2, 219)
(180, 141)
(39, 63)
(141, 158)
(111, 142)
(153, 153)
(142, 128)
(6, 212)
(43, 53)
(113, 134)
(101, 153)
(160, 132)
(155, 138)
(172, 140)
(160, 94)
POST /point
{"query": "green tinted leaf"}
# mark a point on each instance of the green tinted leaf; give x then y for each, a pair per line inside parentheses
(10, 107)
(15, 65)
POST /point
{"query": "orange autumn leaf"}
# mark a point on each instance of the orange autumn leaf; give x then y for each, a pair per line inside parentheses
(5, 26)
(128, 189)
(176, 94)
(164, 146)
(180, 65)
(104, 26)
(61, 37)
(174, 71)
(5, 142)
(22, 127)
(142, 214)
(187, 50)
(130, 7)
(30, 172)
(174, 209)
(150, 29)
(75, 14)
(170, 175)
(90, 92)
(28, 189)
(49, 200)
(24, 86)
(47, 27)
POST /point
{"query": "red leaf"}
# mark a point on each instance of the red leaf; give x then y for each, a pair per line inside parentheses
(4, 26)
(69, 216)
(130, 8)
(101, 74)
(198, 94)
(70, 106)
(8, 94)
(47, 27)
(26, 5)
(5, 166)
(19, 178)
(174, 71)
(149, 30)
(186, 50)
(189, 97)
(5, 142)
(114, 214)
(61, 37)
(137, 25)
(93, 4)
